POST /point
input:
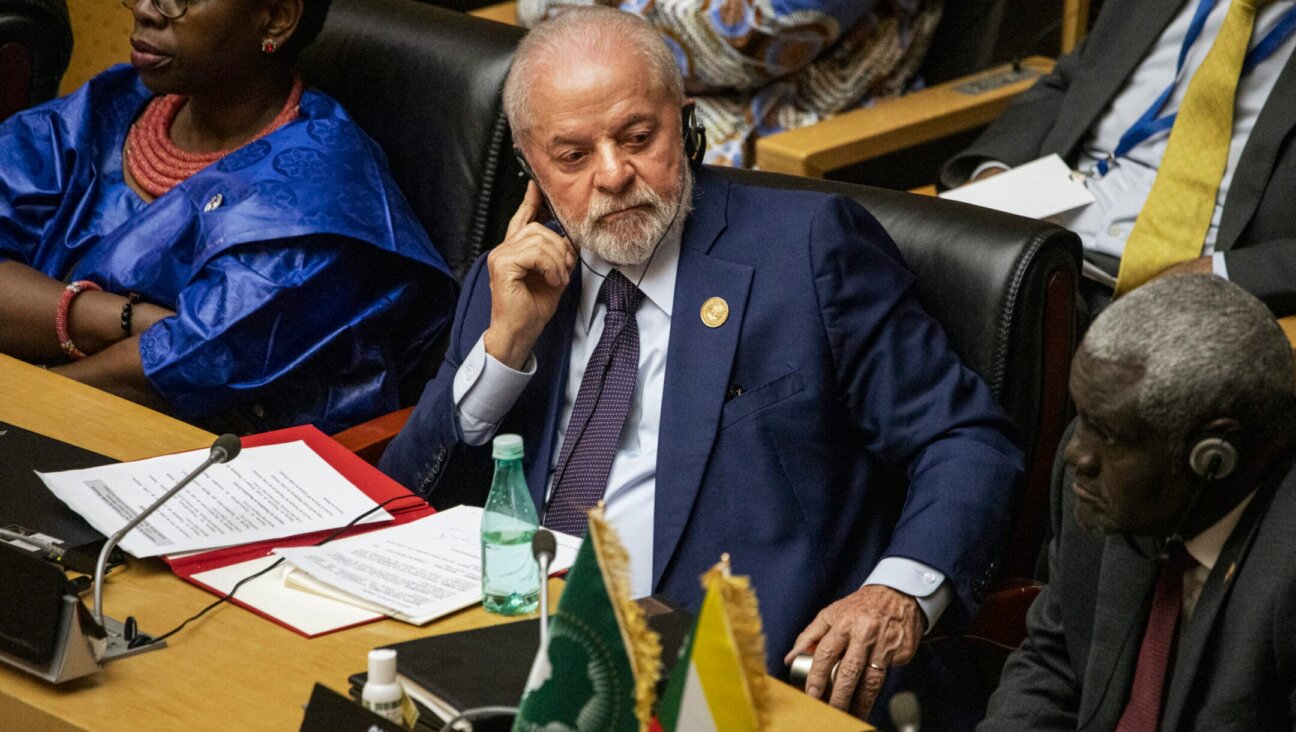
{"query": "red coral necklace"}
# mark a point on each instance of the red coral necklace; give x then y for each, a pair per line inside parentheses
(158, 165)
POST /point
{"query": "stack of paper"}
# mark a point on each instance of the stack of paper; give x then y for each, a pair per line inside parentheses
(286, 492)
(417, 572)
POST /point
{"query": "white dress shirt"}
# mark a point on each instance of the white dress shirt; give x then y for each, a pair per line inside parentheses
(485, 389)
(1105, 225)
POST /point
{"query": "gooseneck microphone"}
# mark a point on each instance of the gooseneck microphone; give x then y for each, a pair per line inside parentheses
(544, 548)
(223, 450)
(905, 714)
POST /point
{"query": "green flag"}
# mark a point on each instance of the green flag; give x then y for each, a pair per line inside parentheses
(600, 669)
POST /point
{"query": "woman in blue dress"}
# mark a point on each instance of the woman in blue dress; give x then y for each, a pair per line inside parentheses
(198, 233)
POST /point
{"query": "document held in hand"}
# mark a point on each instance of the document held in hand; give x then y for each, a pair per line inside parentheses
(268, 492)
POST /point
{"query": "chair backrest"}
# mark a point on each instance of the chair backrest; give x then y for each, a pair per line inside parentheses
(1004, 289)
(965, 39)
(35, 46)
(425, 83)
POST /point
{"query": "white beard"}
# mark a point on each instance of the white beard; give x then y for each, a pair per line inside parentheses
(632, 238)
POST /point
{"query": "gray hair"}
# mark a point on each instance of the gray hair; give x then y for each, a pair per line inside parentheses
(1208, 349)
(591, 31)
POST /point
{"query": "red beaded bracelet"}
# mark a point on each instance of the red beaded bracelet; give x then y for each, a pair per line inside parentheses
(61, 317)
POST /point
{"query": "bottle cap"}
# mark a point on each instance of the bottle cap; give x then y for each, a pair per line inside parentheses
(382, 666)
(507, 447)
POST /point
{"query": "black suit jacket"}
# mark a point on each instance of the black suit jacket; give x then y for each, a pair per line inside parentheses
(1236, 664)
(1258, 229)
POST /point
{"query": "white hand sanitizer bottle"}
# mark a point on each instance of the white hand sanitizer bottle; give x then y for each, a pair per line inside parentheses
(382, 693)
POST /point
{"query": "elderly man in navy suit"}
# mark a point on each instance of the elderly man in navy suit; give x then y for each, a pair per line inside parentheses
(730, 368)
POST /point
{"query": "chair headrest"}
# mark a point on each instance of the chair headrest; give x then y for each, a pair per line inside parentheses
(424, 82)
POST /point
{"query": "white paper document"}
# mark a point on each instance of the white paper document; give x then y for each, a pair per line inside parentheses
(420, 570)
(1037, 190)
(268, 594)
(269, 492)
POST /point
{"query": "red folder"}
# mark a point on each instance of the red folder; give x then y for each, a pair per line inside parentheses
(362, 475)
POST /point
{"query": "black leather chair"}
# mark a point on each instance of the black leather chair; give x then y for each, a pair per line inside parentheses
(35, 46)
(425, 83)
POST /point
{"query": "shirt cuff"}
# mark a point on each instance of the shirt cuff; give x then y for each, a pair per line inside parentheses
(917, 580)
(1219, 266)
(485, 390)
(987, 165)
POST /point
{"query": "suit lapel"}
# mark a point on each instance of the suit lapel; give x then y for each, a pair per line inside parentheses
(553, 354)
(1261, 153)
(1124, 586)
(1199, 629)
(1117, 61)
(698, 364)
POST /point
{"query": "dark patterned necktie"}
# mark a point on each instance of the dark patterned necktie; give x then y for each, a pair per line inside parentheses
(1143, 711)
(594, 428)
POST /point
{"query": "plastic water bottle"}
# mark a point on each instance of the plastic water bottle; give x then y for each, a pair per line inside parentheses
(510, 575)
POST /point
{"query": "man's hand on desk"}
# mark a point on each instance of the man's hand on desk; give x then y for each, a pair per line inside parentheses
(868, 631)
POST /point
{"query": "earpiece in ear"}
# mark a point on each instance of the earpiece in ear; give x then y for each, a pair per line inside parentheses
(1213, 458)
(523, 164)
(694, 133)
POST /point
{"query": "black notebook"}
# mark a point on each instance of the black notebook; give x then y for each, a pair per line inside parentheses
(446, 674)
(24, 499)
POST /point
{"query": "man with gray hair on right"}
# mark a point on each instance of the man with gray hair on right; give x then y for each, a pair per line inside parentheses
(1173, 564)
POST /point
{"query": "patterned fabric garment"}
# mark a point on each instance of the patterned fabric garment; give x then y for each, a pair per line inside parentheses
(758, 67)
(303, 285)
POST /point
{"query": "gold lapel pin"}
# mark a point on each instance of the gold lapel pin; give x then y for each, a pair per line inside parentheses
(1228, 576)
(715, 312)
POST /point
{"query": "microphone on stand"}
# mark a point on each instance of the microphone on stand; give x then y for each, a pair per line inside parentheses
(905, 714)
(224, 449)
(543, 547)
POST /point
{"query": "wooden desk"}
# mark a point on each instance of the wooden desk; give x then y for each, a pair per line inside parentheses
(230, 670)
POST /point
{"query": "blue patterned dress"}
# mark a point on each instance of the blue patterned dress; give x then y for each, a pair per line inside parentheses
(303, 285)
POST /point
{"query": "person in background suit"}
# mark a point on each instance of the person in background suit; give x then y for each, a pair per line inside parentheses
(731, 368)
(1172, 586)
(1088, 111)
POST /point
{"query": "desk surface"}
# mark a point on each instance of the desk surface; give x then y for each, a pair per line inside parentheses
(230, 670)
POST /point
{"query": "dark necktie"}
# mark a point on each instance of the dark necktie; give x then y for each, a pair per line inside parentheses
(1143, 711)
(594, 428)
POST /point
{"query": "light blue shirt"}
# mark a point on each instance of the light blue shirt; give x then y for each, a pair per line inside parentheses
(485, 390)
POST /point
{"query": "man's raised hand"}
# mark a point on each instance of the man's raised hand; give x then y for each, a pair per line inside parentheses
(528, 272)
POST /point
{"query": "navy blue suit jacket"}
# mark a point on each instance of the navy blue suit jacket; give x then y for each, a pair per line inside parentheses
(848, 388)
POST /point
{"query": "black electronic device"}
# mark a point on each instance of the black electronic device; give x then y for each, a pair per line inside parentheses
(1214, 454)
(44, 628)
(30, 606)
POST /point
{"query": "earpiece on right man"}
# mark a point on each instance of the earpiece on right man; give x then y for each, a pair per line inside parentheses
(1213, 457)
